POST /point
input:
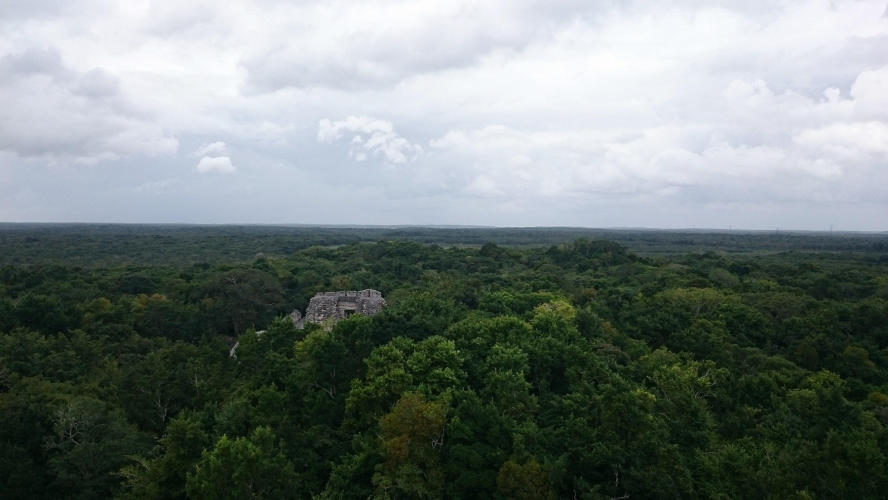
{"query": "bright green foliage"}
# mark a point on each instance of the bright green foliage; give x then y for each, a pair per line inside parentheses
(245, 467)
(387, 377)
(437, 365)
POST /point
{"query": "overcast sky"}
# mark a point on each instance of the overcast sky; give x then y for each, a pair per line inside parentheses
(743, 114)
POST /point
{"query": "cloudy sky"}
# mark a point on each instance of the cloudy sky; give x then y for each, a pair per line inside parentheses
(743, 114)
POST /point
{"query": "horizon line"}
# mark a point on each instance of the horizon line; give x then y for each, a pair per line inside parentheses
(692, 229)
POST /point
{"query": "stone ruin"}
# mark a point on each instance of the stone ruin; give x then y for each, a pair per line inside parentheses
(329, 307)
(326, 308)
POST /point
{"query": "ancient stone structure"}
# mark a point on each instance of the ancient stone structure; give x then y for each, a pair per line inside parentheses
(326, 308)
(296, 318)
(330, 307)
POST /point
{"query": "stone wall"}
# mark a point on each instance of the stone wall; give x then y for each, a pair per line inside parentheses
(329, 307)
(334, 306)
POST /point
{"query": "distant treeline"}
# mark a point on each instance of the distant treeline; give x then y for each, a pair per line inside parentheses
(99, 244)
(572, 370)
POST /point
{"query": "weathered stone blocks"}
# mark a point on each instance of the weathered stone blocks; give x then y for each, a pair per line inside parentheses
(330, 307)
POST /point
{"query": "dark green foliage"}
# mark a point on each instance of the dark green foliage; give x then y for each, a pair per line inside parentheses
(242, 298)
(89, 443)
(575, 369)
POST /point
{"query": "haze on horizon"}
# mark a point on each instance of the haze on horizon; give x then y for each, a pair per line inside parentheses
(680, 114)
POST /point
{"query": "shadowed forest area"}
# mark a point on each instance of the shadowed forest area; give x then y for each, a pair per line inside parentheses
(509, 363)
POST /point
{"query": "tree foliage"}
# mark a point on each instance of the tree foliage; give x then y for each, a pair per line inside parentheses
(575, 369)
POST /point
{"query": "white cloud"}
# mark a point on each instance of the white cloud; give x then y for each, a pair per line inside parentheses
(215, 164)
(870, 94)
(381, 140)
(217, 148)
(847, 139)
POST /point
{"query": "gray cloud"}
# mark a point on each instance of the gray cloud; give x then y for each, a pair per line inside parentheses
(377, 44)
(686, 112)
(59, 113)
(18, 10)
(32, 61)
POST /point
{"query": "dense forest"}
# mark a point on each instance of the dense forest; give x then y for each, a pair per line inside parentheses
(89, 245)
(560, 363)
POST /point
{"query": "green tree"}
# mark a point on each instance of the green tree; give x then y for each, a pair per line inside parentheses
(411, 438)
(89, 443)
(528, 481)
(163, 475)
(242, 298)
(241, 468)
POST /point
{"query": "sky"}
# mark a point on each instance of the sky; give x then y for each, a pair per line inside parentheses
(597, 113)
